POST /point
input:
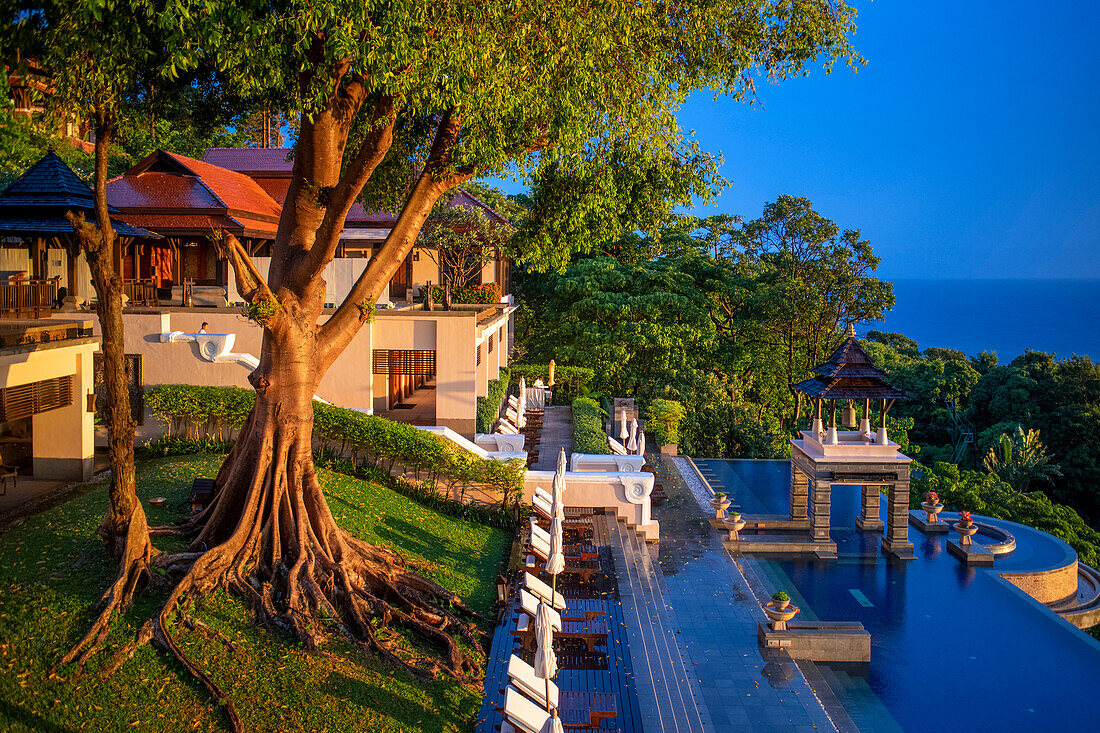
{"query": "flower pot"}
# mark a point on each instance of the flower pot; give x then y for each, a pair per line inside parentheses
(734, 525)
(932, 510)
(720, 505)
(965, 533)
(780, 605)
(778, 617)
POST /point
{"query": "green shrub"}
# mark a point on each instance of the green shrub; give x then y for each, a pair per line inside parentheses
(984, 493)
(487, 294)
(362, 439)
(570, 382)
(175, 445)
(488, 407)
(662, 420)
(588, 432)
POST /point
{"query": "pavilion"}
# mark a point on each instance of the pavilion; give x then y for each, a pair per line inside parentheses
(822, 457)
(40, 247)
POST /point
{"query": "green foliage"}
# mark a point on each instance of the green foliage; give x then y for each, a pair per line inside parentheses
(662, 419)
(259, 310)
(488, 407)
(55, 570)
(986, 494)
(201, 411)
(1060, 398)
(461, 240)
(588, 432)
(900, 343)
(487, 293)
(175, 445)
(780, 596)
(1020, 458)
(570, 382)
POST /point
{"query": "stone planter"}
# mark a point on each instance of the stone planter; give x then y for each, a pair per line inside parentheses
(734, 525)
(720, 504)
(780, 605)
(932, 510)
(965, 533)
(778, 617)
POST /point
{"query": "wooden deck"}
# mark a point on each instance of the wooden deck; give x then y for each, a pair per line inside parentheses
(608, 670)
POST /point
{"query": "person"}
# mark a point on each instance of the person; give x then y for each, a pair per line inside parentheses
(202, 328)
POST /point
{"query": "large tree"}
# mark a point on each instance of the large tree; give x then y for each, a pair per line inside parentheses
(399, 102)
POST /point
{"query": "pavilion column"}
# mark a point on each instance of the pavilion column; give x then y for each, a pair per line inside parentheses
(819, 509)
(896, 542)
(869, 508)
(800, 490)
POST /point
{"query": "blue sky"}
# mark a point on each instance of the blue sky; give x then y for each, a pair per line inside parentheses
(968, 145)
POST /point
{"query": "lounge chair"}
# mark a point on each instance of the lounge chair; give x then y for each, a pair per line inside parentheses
(540, 547)
(593, 632)
(578, 525)
(578, 610)
(575, 709)
(523, 716)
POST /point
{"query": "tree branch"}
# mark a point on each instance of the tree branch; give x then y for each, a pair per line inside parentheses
(437, 177)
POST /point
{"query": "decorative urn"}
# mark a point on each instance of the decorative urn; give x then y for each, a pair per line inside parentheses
(779, 613)
(966, 528)
(720, 504)
(734, 524)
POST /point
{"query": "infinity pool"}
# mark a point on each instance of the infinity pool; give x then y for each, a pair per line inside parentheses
(953, 648)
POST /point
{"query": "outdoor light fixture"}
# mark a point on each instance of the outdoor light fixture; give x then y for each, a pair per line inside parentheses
(502, 589)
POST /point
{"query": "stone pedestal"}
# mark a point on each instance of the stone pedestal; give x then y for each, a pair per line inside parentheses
(919, 519)
(972, 554)
(896, 542)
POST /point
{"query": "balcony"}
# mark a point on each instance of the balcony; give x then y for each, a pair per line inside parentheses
(27, 298)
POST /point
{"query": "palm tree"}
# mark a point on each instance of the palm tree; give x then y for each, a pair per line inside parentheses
(1021, 458)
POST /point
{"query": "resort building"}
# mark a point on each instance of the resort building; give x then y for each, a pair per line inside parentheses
(411, 364)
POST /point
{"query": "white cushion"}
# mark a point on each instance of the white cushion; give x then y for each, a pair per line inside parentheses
(522, 675)
(525, 715)
(542, 590)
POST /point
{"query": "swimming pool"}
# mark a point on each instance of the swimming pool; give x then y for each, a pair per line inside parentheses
(953, 647)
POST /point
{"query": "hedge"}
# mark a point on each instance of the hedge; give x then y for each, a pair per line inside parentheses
(488, 407)
(662, 420)
(346, 433)
(487, 294)
(588, 432)
(570, 382)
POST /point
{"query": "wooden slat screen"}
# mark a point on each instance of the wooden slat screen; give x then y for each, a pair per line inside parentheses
(395, 361)
(491, 343)
(38, 397)
(479, 354)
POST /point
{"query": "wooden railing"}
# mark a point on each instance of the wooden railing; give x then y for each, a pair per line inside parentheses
(27, 299)
(141, 292)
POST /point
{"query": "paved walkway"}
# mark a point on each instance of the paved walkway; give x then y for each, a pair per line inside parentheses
(557, 432)
(694, 593)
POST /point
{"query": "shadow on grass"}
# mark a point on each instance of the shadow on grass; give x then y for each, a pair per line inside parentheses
(15, 714)
(400, 709)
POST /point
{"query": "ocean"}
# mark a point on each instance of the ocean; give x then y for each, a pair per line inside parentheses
(1006, 316)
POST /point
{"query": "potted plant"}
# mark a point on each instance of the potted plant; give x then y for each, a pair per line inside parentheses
(965, 527)
(780, 600)
(720, 504)
(932, 505)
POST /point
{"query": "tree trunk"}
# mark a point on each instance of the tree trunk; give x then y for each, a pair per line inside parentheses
(270, 537)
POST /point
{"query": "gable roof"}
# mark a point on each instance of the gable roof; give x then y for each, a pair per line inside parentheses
(168, 191)
(270, 165)
(36, 202)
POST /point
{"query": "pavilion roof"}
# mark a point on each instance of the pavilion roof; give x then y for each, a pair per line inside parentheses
(36, 203)
(849, 374)
(178, 195)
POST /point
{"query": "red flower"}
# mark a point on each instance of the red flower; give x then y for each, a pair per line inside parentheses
(965, 518)
(932, 497)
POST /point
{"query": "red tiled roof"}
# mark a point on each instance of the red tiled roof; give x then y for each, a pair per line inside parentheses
(154, 190)
(251, 160)
(181, 223)
(271, 168)
(236, 190)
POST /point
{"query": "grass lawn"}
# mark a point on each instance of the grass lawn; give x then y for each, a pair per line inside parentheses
(53, 568)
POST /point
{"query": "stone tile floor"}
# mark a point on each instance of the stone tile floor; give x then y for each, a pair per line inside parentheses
(692, 591)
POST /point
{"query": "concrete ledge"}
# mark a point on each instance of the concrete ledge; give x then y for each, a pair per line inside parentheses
(917, 519)
(776, 522)
(870, 525)
(819, 642)
(973, 554)
(786, 545)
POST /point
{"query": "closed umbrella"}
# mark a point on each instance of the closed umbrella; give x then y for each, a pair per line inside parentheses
(633, 444)
(552, 724)
(523, 393)
(622, 430)
(550, 380)
(641, 443)
(546, 661)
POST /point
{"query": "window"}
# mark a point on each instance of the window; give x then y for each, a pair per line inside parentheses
(491, 343)
(395, 361)
(35, 398)
(479, 354)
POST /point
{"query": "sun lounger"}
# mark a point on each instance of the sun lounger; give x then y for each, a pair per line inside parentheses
(543, 591)
(575, 709)
(523, 716)
(593, 632)
(576, 610)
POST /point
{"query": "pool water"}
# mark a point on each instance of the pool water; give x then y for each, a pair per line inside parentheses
(953, 648)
